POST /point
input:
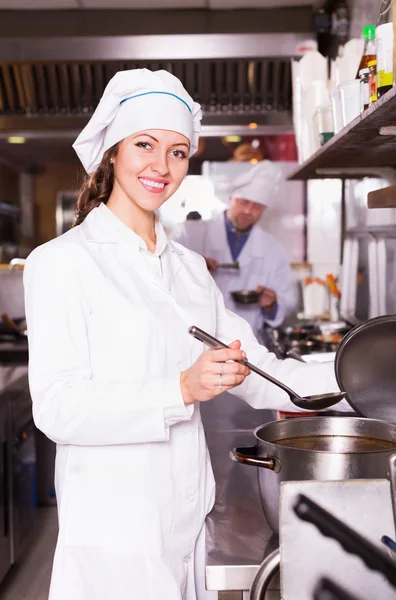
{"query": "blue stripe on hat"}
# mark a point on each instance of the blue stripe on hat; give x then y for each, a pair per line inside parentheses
(164, 93)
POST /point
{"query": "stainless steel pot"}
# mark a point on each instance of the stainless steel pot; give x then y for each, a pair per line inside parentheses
(267, 570)
(338, 448)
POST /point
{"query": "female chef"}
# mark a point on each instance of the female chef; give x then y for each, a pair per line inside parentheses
(115, 379)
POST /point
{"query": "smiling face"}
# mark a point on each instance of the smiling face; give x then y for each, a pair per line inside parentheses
(149, 167)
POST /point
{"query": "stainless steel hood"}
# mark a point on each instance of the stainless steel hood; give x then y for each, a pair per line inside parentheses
(56, 83)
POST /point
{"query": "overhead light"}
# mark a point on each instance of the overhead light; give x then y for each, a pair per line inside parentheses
(253, 161)
(252, 125)
(16, 139)
(233, 138)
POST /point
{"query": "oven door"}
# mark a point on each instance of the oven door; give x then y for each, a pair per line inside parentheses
(24, 487)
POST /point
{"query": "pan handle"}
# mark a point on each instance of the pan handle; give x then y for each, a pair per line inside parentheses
(328, 590)
(392, 477)
(351, 541)
(248, 456)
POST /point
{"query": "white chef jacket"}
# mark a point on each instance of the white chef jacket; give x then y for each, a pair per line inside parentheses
(157, 260)
(262, 261)
(107, 342)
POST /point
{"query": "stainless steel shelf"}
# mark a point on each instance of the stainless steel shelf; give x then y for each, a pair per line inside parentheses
(359, 149)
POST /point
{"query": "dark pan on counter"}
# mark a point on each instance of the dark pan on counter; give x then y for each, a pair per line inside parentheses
(245, 296)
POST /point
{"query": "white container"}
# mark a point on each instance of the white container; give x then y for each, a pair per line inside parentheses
(323, 123)
(315, 96)
(316, 300)
(350, 99)
(338, 119)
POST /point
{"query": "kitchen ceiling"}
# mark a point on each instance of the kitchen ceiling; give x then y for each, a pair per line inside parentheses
(137, 4)
(51, 78)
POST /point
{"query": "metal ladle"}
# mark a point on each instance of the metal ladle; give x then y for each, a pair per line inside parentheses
(317, 402)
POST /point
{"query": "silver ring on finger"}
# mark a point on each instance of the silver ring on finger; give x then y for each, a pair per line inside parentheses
(222, 369)
(221, 381)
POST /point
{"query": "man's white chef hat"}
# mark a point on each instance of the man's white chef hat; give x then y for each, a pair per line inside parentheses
(259, 184)
(134, 101)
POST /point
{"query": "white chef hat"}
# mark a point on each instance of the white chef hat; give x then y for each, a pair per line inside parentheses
(259, 184)
(133, 101)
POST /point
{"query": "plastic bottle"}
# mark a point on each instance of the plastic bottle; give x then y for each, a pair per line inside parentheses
(373, 81)
(384, 44)
(364, 88)
(369, 51)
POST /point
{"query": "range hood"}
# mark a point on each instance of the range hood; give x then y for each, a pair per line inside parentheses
(223, 87)
(56, 83)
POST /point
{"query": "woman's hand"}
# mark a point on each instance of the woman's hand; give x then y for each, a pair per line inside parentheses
(211, 374)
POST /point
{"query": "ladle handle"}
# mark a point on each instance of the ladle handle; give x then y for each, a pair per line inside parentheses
(269, 378)
(215, 344)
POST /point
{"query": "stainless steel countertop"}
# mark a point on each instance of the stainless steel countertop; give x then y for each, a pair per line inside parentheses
(238, 537)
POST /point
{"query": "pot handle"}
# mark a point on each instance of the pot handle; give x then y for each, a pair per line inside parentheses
(248, 456)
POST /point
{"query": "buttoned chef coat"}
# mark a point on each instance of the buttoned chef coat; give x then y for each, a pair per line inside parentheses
(262, 261)
(108, 338)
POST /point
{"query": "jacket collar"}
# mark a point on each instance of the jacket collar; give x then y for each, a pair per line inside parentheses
(103, 227)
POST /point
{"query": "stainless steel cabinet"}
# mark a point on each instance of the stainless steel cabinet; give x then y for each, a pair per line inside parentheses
(23, 480)
(368, 280)
(18, 487)
(5, 542)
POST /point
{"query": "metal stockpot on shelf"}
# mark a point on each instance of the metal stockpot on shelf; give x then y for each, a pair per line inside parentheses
(336, 448)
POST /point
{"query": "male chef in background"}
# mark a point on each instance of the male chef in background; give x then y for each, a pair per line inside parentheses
(236, 235)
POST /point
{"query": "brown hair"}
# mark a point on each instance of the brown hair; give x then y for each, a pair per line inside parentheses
(96, 188)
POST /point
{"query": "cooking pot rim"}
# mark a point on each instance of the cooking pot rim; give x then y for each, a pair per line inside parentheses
(328, 453)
